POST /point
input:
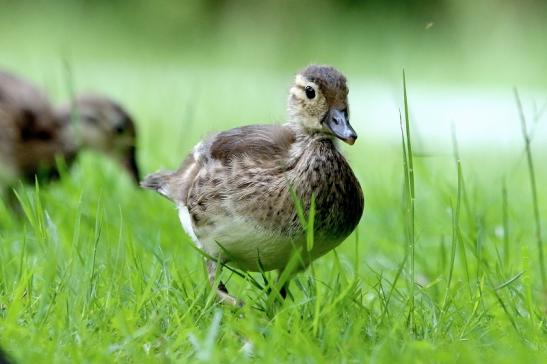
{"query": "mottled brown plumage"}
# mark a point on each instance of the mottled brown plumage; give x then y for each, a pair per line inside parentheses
(99, 123)
(33, 134)
(29, 130)
(234, 191)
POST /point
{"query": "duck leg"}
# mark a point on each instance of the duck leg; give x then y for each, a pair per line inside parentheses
(221, 290)
(284, 290)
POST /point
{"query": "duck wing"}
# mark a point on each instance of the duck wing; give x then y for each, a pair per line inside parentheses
(231, 191)
(259, 145)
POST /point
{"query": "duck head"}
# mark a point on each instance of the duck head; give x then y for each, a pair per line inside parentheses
(318, 101)
(103, 125)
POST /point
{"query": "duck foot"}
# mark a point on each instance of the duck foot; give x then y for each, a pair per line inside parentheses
(222, 287)
(222, 292)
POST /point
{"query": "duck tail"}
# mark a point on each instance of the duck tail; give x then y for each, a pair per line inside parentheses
(158, 182)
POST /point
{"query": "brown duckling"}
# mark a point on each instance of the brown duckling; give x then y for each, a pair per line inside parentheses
(33, 134)
(105, 126)
(235, 191)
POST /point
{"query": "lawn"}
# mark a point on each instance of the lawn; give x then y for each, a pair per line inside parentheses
(98, 270)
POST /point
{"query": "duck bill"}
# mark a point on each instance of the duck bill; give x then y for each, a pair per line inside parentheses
(339, 125)
(129, 163)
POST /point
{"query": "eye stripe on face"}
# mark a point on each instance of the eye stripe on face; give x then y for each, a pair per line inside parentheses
(297, 92)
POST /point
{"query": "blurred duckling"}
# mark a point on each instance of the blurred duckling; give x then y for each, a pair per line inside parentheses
(235, 191)
(104, 126)
(33, 134)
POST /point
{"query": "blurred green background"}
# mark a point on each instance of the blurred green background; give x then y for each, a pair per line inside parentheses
(462, 58)
(186, 68)
(494, 41)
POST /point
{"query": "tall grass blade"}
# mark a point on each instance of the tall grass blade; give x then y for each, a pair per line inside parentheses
(464, 201)
(410, 194)
(454, 244)
(310, 225)
(533, 185)
(505, 217)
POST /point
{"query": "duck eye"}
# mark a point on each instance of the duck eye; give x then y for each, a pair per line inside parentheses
(310, 92)
(119, 129)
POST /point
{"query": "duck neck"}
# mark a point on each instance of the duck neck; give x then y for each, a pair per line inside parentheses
(307, 135)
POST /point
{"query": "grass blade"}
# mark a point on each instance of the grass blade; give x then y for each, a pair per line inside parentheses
(409, 172)
(533, 185)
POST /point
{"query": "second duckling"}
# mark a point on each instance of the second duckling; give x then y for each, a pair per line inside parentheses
(33, 134)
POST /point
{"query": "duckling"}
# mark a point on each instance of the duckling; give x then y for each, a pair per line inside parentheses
(33, 133)
(237, 191)
(105, 126)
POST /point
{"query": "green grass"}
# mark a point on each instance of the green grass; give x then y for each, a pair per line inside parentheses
(444, 266)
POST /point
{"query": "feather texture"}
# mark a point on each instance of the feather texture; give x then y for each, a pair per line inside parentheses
(238, 190)
(237, 184)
